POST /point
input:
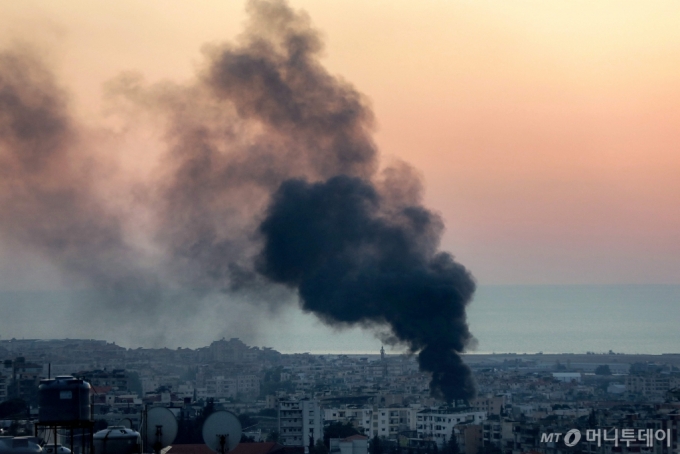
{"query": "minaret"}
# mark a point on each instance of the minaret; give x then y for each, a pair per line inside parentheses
(382, 360)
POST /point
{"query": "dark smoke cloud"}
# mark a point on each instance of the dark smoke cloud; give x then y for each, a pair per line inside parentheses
(281, 115)
(269, 183)
(352, 262)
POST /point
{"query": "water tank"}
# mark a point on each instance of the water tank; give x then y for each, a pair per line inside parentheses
(64, 399)
(50, 449)
(19, 445)
(117, 440)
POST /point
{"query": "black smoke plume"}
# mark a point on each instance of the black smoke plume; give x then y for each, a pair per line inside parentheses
(268, 181)
(354, 262)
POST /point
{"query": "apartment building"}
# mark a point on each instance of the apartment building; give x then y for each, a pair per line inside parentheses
(300, 422)
(4, 385)
(437, 424)
(492, 405)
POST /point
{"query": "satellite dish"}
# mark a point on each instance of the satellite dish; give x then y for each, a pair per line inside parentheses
(222, 431)
(160, 428)
(125, 422)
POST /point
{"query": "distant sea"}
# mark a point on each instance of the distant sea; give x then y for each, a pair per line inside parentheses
(577, 318)
(503, 318)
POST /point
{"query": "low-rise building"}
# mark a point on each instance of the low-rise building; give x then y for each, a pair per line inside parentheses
(355, 444)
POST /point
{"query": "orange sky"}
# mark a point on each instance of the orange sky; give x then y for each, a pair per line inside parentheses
(546, 132)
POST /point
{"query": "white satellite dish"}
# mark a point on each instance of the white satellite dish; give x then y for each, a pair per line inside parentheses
(160, 428)
(222, 431)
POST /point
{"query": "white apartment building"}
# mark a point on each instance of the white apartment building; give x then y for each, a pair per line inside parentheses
(221, 386)
(300, 422)
(492, 405)
(437, 424)
(651, 385)
(359, 416)
(388, 422)
(384, 422)
(248, 384)
(4, 384)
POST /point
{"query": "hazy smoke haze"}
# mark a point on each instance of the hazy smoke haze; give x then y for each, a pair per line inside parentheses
(269, 186)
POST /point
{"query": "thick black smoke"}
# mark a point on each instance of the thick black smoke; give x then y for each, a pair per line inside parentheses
(354, 262)
(273, 113)
(269, 176)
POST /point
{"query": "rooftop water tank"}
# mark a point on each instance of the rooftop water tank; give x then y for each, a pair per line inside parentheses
(64, 400)
(50, 449)
(19, 445)
(117, 440)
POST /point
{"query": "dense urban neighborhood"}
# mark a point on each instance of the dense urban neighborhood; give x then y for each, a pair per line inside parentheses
(353, 404)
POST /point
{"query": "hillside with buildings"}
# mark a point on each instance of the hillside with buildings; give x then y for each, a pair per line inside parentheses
(293, 398)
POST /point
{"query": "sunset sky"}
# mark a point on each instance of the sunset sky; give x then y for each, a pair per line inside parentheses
(547, 133)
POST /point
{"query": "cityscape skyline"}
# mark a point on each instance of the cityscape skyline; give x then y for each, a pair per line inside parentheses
(301, 400)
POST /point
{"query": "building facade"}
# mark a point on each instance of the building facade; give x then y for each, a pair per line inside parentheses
(300, 422)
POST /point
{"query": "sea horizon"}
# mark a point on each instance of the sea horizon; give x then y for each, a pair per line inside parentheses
(629, 318)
